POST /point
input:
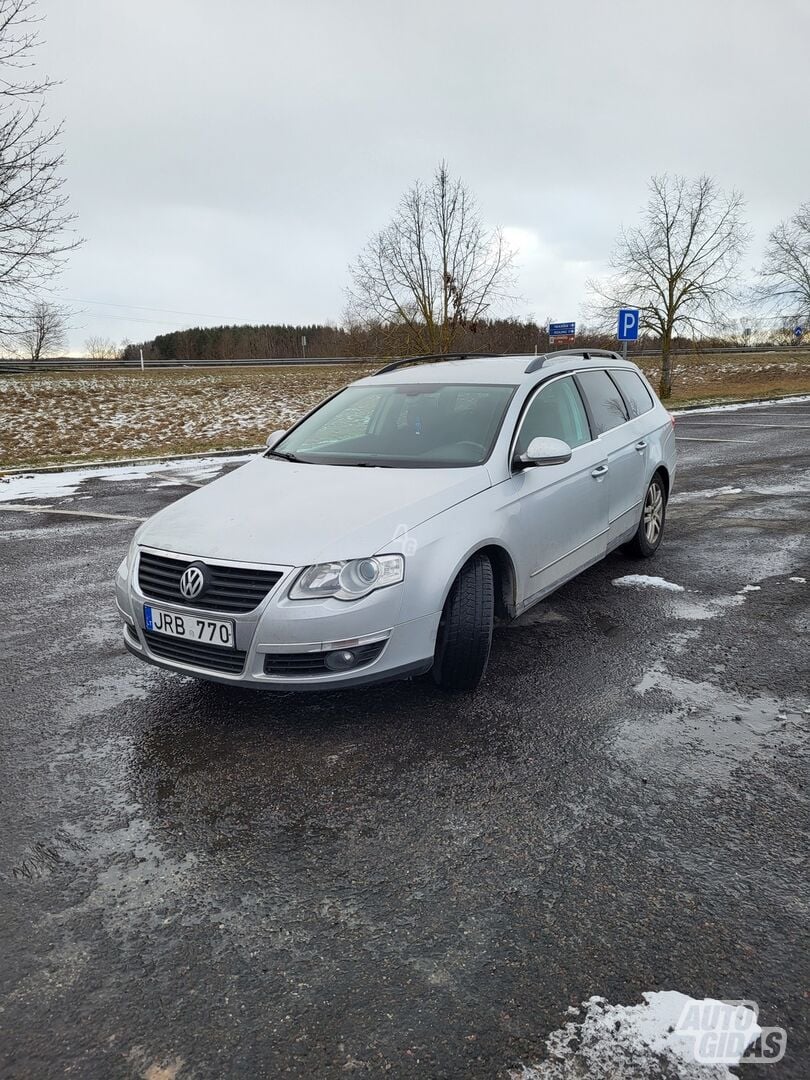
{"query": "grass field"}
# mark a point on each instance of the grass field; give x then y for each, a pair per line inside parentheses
(57, 418)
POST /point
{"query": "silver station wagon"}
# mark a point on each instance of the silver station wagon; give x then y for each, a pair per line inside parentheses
(382, 536)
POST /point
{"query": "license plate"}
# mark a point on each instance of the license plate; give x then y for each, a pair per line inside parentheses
(190, 627)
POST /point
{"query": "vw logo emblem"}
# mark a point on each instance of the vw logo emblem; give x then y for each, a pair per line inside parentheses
(192, 582)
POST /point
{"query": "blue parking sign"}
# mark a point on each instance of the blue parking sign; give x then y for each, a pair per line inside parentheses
(628, 324)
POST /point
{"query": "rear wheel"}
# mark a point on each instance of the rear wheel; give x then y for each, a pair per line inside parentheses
(650, 530)
(465, 631)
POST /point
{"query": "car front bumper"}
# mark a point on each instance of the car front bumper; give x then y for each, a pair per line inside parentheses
(293, 634)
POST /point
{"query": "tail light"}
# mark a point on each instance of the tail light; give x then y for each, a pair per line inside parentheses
(672, 419)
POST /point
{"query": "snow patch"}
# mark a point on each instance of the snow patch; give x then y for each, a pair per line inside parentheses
(645, 581)
(711, 493)
(668, 1035)
(58, 485)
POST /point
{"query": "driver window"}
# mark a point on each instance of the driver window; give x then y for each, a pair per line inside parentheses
(556, 413)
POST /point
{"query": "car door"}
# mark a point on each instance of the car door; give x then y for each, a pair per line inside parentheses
(622, 441)
(559, 513)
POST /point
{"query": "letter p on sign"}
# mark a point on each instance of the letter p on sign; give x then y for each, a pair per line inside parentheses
(628, 324)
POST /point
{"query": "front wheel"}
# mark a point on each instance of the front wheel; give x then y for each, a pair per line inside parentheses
(650, 530)
(465, 631)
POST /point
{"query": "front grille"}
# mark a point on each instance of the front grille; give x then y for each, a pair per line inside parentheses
(314, 663)
(198, 653)
(230, 588)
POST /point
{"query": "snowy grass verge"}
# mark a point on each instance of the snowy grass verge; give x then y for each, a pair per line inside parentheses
(76, 417)
(734, 406)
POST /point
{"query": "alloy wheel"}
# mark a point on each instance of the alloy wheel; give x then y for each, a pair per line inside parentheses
(653, 512)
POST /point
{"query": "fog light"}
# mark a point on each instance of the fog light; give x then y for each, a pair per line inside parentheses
(341, 660)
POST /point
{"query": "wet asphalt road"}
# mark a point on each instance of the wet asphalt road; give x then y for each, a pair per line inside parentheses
(202, 882)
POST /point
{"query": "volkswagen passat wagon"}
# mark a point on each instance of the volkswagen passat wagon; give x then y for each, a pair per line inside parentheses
(382, 535)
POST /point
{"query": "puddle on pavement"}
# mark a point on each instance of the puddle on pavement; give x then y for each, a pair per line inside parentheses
(108, 692)
(694, 609)
(43, 856)
(763, 558)
(539, 615)
(106, 630)
(703, 732)
(137, 882)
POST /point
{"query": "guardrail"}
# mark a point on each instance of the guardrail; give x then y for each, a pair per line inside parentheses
(21, 367)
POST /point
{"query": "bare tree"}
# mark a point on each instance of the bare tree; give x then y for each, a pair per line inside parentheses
(44, 332)
(784, 283)
(35, 224)
(433, 270)
(101, 348)
(679, 266)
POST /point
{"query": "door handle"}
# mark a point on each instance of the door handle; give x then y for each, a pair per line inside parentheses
(642, 445)
(600, 470)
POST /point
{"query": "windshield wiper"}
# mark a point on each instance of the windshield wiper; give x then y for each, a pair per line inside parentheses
(368, 465)
(283, 454)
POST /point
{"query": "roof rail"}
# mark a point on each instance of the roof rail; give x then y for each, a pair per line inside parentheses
(586, 354)
(430, 358)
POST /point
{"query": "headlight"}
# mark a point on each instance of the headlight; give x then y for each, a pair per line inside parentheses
(348, 580)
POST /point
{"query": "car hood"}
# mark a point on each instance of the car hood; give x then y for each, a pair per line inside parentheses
(296, 514)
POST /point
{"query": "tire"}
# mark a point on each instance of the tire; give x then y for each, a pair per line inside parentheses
(465, 631)
(650, 531)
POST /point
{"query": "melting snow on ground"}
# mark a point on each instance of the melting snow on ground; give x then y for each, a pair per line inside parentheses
(799, 486)
(55, 485)
(712, 492)
(646, 581)
(669, 1035)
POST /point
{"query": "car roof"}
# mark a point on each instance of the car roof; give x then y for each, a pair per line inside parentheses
(509, 370)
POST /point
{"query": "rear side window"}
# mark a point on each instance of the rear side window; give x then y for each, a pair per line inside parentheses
(634, 392)
(604, 400)
(556, 413)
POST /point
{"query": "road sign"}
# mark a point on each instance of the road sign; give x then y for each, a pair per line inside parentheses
(562, 329)
(628, 324)
(798, 331)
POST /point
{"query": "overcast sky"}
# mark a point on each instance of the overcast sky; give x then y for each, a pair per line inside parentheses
(230, 159)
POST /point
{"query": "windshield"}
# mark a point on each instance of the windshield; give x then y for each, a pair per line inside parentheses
(432, 425)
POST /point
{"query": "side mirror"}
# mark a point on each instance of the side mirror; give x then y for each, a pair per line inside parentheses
(275, 437)
(545, 452)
